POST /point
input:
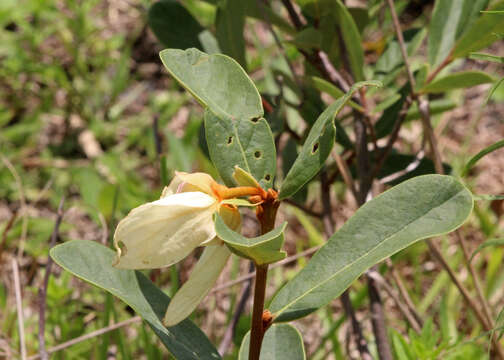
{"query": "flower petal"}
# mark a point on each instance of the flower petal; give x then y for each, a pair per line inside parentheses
(165, 231)
(199, 181)
(185, 182)
(202, 278)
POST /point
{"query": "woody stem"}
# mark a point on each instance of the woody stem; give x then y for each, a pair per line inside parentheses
(257, 331)
(266, 214)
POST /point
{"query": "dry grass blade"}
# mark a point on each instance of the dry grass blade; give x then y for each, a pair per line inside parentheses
(19, 308)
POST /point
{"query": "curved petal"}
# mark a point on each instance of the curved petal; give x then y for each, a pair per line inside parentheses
(201, 280)
(196, 182)
(185, 182)
(165, 231)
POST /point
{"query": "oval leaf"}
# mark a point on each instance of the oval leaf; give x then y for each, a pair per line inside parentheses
(318, 145)
(216, 81)
(458, 80)
(416, 209)
(92, 262)
(281, 342)
(264, 249)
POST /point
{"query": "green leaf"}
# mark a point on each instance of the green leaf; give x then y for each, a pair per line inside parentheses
(487, 57)
(352, 39)
(331, 89)
(173, 25)
(458, 80)
(487, 29)
(281, 342)
(216, 81)
(307, 39)
(235, 131)
(416, 209)
(318, 145)
(229, 24)
(247, 144)
(243, 178)
(481, 154)
(92, 262)
(450, 18)
(488, 243)
(264, 249)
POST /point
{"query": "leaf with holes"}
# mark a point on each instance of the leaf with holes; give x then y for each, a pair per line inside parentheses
(318, 145)
(281, 342)
(264, 249)
(416, 209)
(235, 131)
(92, 262)
(247, 144)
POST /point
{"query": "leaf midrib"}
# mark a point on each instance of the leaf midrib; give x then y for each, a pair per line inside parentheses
(280, 311)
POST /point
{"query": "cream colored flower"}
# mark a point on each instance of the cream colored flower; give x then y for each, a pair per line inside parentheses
(163, 232)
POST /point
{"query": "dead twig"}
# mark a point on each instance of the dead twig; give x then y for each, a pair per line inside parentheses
(91, 335)
(42, 294)
(402, 306)
(19, 308)
(231, 329)
(250, 275)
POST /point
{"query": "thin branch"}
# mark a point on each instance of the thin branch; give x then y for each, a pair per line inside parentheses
(476, 280)
(231, 329)
(423, 104)
(404, 293)
(19, 308)
(402, 306)
(42, 294)
(345, 172)
(91, 335)
(296, 20)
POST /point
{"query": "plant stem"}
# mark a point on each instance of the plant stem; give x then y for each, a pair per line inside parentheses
(266, 214)
(257, 331)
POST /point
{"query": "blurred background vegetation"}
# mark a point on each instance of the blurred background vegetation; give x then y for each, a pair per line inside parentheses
(82, 94)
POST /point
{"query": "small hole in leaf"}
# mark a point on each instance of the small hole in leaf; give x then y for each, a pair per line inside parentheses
(230, 140)
(257, 154)
(267, 177)
(254, 120)
(315, 148)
